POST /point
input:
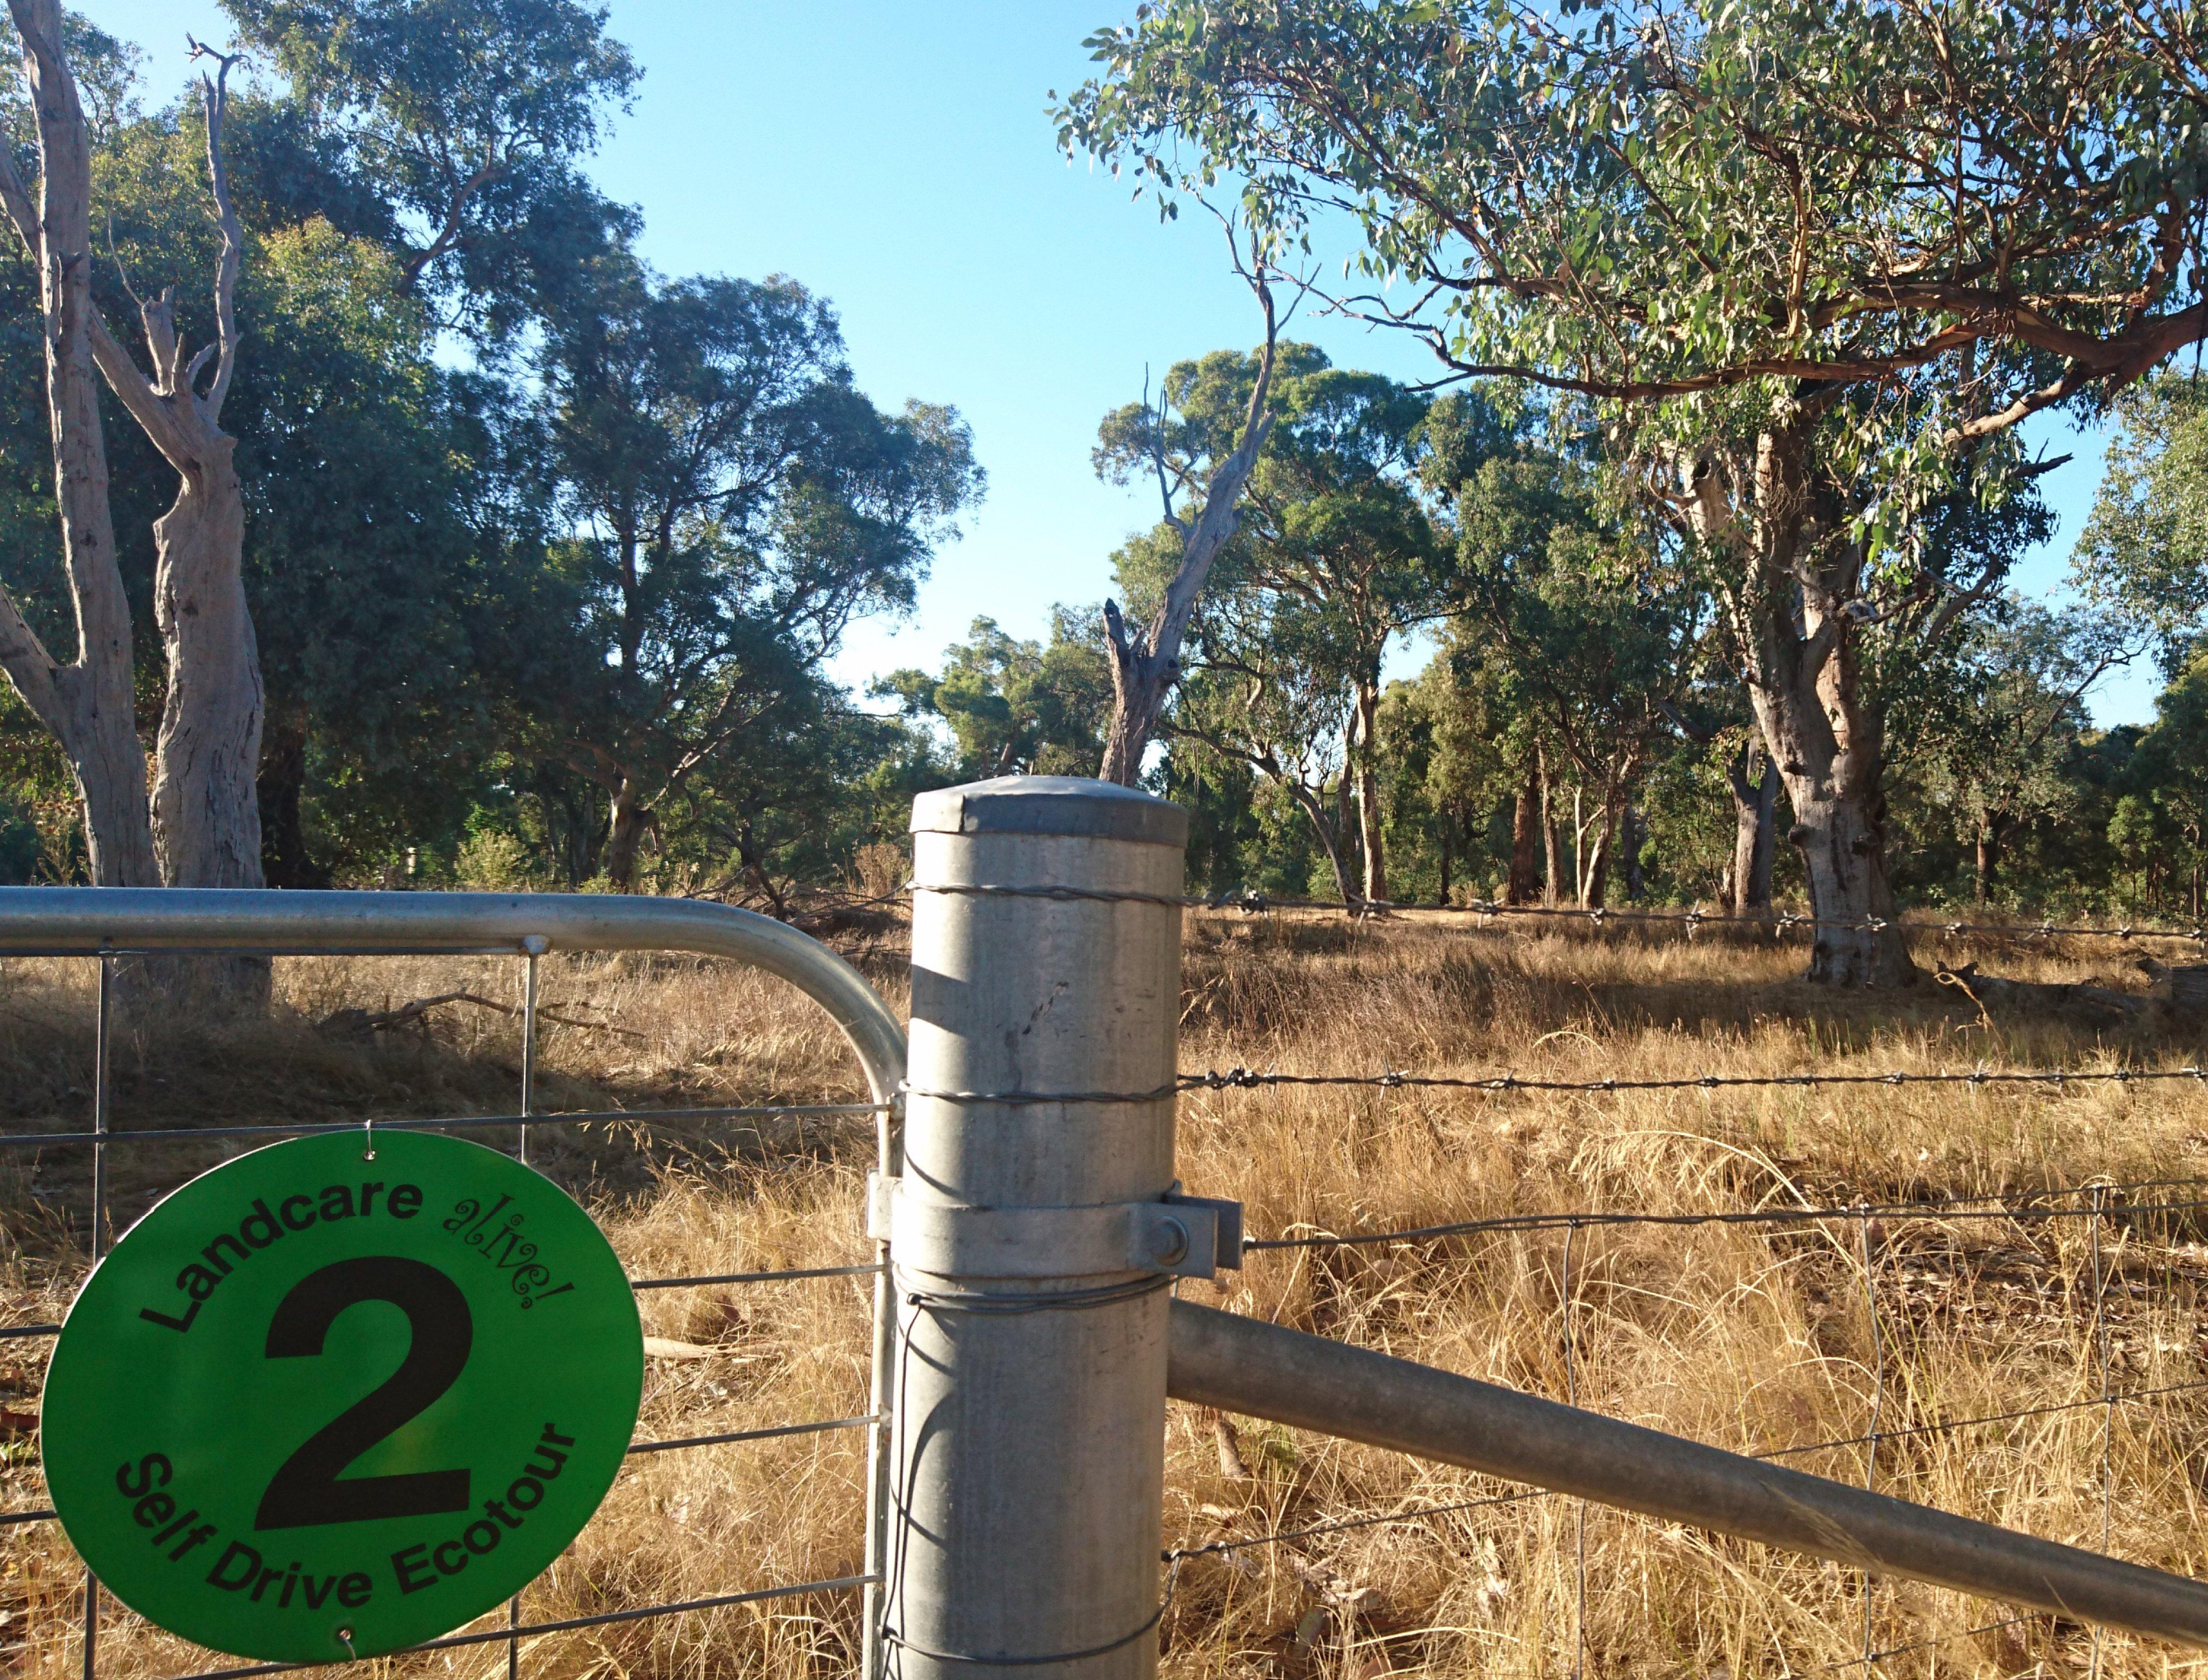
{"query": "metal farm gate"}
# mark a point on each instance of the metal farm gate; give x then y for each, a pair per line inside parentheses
(109, 927)
(1028, 1230)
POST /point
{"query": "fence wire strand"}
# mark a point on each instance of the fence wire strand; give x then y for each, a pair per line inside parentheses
(1249, 903)
(1242, 1078)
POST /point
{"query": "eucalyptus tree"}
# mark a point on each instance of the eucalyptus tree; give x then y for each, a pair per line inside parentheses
(199, 824)
(465, 122)
(2168, 803)
(1270, 686)
(1201, 468)
(1332, 513)
(734, 502)
(1015, 706)
(1599, 640)
(2000, 738)
(2145, 552)
(1816, 261)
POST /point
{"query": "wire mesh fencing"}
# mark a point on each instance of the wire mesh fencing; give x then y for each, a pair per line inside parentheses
(33, 1637)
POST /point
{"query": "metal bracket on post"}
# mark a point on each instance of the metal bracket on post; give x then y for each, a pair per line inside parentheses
(1179, 1236)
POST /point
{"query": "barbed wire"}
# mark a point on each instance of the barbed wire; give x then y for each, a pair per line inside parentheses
(1242, 1078)
(1942, 1208)
(1695, 920)
(1258, 904)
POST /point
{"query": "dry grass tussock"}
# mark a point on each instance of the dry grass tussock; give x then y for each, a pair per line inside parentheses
(1751, 1338)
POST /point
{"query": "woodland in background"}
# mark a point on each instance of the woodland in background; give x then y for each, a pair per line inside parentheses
(547, 554)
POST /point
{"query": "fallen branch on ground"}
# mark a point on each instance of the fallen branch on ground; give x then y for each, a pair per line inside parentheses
(415, 1014)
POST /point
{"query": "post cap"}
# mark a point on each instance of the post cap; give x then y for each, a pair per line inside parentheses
(1050, 805)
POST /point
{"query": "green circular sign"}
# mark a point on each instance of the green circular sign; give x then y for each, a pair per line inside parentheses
(336, 1397)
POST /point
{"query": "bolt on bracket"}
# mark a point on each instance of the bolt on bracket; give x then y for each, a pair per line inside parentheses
(1178, 1236)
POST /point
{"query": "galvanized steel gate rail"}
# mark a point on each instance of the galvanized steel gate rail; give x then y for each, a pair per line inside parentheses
(109, 925)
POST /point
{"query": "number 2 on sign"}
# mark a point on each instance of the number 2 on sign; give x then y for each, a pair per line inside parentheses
(306, 1490)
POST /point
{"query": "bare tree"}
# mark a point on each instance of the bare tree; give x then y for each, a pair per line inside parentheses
(1146, 662)
(201, 827)
(86, 701)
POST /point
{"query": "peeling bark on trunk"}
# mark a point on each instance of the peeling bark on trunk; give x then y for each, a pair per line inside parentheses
(207, 814)
(1834, 782)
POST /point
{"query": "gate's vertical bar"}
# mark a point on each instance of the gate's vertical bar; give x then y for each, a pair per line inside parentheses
(2107, 1399)
(1028, 1450)
(532, 948)
(1877, 1416)
(99, 1052)
(1572, 1398)
(882, 1390)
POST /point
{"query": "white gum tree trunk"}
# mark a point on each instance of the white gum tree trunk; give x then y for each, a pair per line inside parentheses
(199, 823)
(88, 702)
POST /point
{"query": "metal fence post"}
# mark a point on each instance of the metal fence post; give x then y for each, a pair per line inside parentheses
(1031, 1254)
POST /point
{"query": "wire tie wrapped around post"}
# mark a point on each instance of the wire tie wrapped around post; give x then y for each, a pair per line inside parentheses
(891, 1636)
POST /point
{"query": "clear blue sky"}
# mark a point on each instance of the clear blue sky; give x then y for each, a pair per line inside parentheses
(896, 158)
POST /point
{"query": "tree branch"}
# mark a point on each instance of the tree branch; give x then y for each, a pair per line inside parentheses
(214, 96)
(28, 665)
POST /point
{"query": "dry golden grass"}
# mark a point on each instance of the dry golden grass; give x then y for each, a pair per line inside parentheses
(1750, 1338)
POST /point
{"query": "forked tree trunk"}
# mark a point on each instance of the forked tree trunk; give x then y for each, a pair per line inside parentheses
(1835, 780)
(1327, 833)
(199, 823)
(1797, 578)
(1146, 661)
(1754, 844)
(88, 703)
(1595, 888)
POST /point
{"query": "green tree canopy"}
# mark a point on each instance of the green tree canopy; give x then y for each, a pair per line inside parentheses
(2145, 553)
(1818, 261)
(1014, 706)
(734, 503)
